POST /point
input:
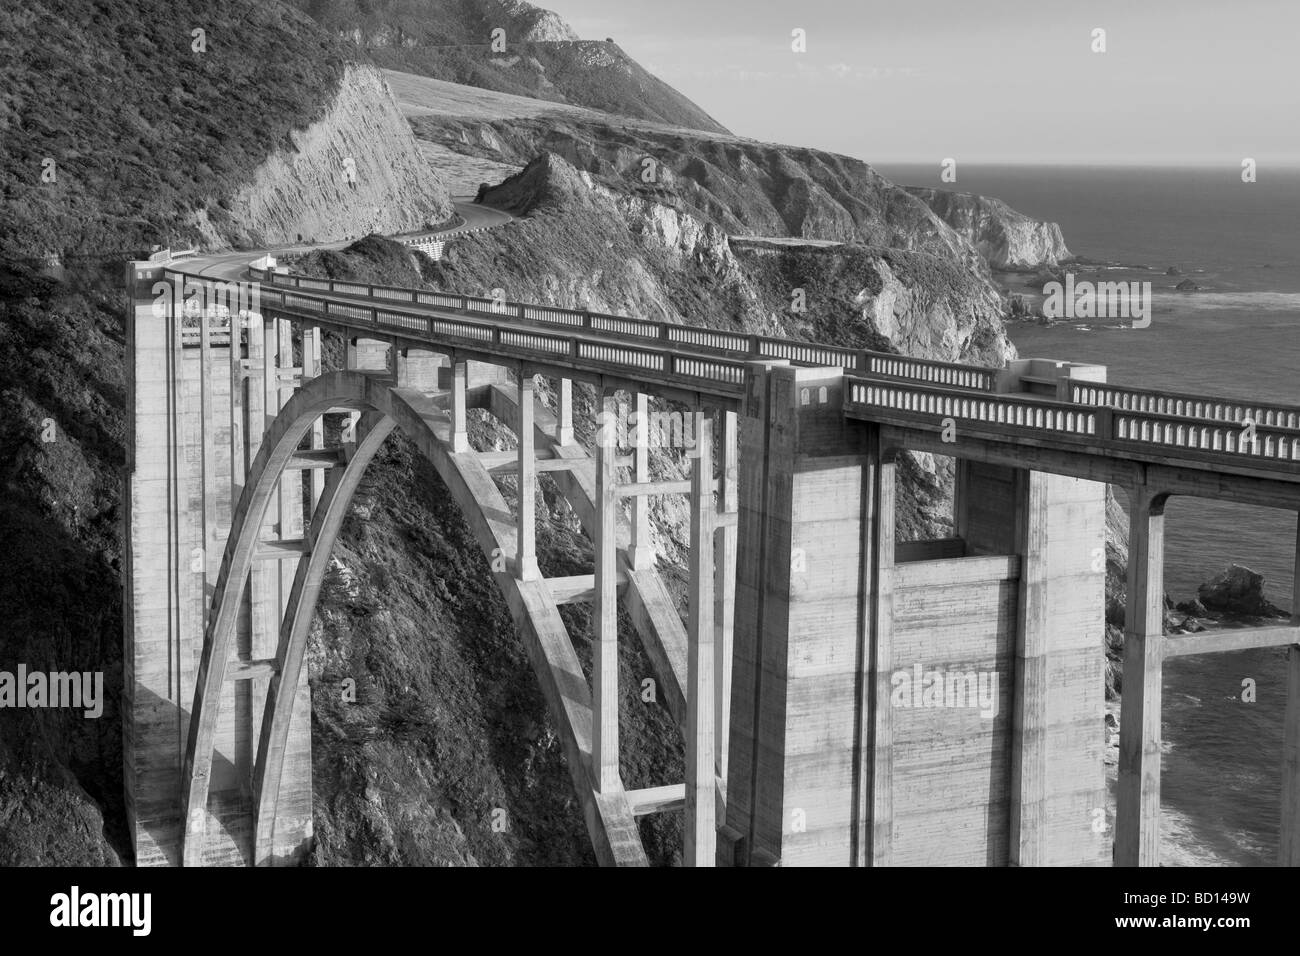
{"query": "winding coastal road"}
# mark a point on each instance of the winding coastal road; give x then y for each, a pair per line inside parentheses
(231, 265)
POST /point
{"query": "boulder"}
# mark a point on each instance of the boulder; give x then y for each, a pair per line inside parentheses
(1187, 285)
(1237, 591)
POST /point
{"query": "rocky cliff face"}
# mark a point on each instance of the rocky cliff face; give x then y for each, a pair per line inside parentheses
(743, 187)
(1005, 238)
(354, 171)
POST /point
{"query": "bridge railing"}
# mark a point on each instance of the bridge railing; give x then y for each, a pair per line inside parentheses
(868, 398)
(1182, 405)
(717, 375)
(882, 364)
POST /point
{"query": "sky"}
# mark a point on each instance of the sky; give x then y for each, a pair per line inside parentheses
(1181, 82)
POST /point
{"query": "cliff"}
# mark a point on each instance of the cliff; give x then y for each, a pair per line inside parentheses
(1005, 238)
(744, 187)
(355, 170)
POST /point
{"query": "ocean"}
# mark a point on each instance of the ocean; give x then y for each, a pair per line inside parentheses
(1239, 336)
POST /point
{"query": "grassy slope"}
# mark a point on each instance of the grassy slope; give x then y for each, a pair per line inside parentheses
(450, 40)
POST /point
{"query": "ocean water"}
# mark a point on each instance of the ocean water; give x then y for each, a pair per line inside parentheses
(1237, 337)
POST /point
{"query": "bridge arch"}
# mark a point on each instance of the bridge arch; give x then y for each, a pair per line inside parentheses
(384, 407)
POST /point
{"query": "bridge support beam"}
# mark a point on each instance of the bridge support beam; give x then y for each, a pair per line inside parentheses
(1137, 802)
(311, 367)
(724, 591)
(526, 550)
(564, 411)
(641, 552)
(700, 838)
(418, 369)
(459, 386)
(604, 612)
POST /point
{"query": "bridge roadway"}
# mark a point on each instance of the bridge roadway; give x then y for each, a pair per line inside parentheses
(1125, 425)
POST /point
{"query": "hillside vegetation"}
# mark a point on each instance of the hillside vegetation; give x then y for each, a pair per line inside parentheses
(538, 56)
(140, 128)
(144, 134)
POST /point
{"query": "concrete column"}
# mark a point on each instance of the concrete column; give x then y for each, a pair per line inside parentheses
(238, 464)
(564, 411)
(155, 558)
(459, 434)
(1137, 810)
(699, 828)
(311, 368)
(724, 591)
(418, 369)
(797, 689)
(604, 612)
(212, 538)
(874, 823)
(526, 553)
(1057, 701)
(641, 551)
(1028, 844)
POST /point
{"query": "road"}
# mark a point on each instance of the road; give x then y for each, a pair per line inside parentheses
(231, 265)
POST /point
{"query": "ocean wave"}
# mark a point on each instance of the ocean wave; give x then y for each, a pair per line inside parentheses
(1230, 301)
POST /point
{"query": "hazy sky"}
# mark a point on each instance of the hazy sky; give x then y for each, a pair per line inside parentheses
(1181, 81)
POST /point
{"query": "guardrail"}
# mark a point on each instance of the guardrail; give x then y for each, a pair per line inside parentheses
(718, 376)
(884, 364)
(1013, 414)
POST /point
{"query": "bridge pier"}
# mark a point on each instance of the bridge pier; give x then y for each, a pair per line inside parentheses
(919, 703)
(198, 405)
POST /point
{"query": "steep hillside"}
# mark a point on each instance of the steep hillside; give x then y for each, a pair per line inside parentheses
(123, 128)
(1005, 238)
(538, 55)
(89, 171)
(354, 171)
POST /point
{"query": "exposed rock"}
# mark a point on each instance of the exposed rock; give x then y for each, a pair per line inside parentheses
(307, 191)
(1238, 591)
(1187, 285)
(1005, 238)
(745, 188)
(1173, 271)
